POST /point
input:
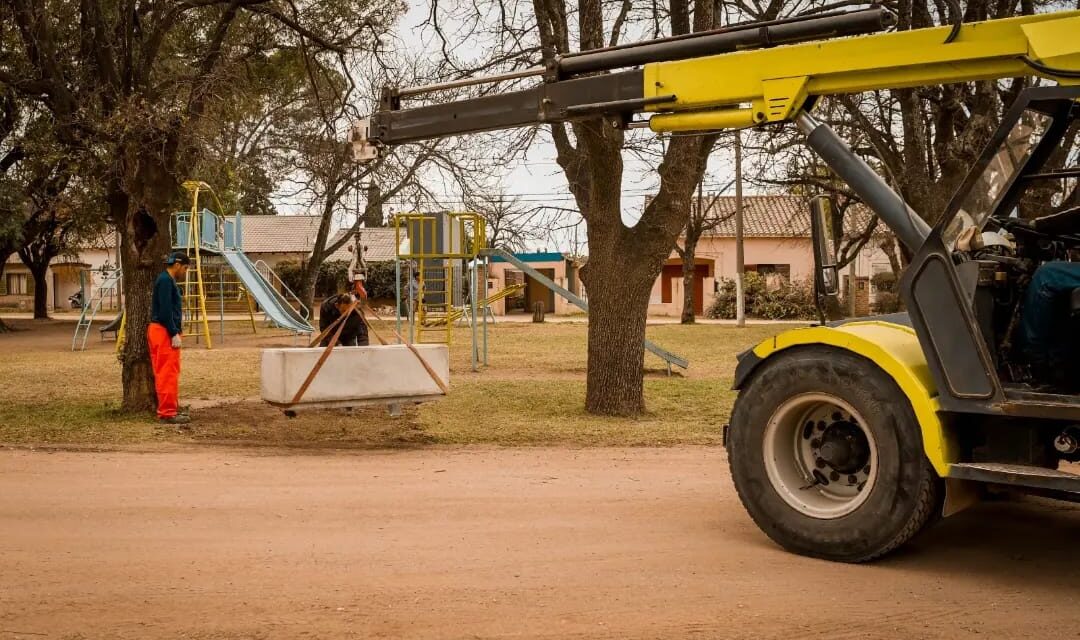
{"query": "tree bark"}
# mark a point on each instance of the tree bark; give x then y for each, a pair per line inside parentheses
(3, 264)
(319, 253)
(373, 211)
(688, 275)
(144, 203)
(623, 262)
(309, 277)
(618, 306)
(39, 272)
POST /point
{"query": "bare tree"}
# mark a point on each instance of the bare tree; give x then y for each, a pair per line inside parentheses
(623, 261)
(921, 140)
(331, 180)
(511, 223)
(705, 216)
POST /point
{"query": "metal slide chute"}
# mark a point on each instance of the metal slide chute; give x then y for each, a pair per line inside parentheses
(276, 307)
(665, 355)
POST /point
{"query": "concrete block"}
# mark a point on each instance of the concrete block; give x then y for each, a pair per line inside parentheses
(354, 374)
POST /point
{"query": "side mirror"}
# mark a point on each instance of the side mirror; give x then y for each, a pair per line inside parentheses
(822, 232)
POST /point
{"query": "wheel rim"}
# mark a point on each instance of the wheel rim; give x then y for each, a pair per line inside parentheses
(819, 455)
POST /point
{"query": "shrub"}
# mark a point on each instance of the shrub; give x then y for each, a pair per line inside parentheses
(887, 302)
(887, 299)
(884, 281)
(791, 301)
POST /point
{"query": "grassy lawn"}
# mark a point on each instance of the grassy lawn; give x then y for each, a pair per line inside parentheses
(532, 393)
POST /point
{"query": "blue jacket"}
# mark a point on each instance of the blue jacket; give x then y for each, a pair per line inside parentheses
(166, 305)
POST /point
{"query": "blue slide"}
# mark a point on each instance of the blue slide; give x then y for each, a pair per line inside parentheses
(272, 303)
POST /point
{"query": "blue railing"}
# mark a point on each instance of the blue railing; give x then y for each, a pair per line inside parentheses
(216, 232)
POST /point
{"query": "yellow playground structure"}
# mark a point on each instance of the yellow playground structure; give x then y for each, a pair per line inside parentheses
(442, 259)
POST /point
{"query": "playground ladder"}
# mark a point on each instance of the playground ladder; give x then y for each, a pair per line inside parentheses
(663, 354)
(111, 278)
(435, 319)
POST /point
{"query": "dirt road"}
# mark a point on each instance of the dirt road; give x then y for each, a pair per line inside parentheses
(468, 543)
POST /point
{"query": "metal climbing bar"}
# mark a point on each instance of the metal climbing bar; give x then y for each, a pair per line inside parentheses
(93, 306)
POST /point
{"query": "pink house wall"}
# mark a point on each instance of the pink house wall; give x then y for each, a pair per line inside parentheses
(797, 253)
(497, 281)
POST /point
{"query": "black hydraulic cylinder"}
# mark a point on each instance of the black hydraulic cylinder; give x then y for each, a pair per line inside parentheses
(909, 228)
(747, 36)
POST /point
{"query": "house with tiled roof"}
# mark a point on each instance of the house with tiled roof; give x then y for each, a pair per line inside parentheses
(282, 238)
(380, 244)
(67, 274)
(776, 243)
(272, 239)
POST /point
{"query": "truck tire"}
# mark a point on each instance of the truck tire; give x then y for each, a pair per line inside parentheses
(827, 457)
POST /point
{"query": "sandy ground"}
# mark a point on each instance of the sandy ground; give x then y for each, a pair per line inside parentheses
(482, 543)
(104, 317)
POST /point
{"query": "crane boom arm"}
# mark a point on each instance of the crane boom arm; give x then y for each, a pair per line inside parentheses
(737, 87)
(776, 83)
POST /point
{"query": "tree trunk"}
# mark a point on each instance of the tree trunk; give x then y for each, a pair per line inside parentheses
(625, 262)
(144, 204)
(618, 306)
(3, 264)
(688, 275)
(617, 279)
(373, 212)
(41, 290)
(139, 274)
(309, 277)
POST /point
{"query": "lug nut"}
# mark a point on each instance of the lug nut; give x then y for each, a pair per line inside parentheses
(1066, 443)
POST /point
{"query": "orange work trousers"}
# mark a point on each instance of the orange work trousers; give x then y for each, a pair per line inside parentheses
(166, 363)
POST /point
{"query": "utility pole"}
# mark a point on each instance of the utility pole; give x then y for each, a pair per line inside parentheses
(740, 294)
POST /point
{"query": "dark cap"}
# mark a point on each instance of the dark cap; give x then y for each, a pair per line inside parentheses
(177, 257)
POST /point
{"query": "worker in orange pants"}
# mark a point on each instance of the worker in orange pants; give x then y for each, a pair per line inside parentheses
(164, 338)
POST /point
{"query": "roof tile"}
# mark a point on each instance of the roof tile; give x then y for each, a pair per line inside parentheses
(279, 234)
(777, 216)
(380, 243)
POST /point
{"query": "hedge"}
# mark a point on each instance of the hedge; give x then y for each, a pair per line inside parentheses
(791, 301)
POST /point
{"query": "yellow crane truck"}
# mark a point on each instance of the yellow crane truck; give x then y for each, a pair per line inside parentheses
(847, 439)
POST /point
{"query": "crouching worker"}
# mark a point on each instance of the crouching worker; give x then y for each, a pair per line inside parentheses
(163, 334)
(354, 333)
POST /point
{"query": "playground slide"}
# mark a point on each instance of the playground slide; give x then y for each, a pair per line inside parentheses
(663, 354)
(114, 325)
(272, 303)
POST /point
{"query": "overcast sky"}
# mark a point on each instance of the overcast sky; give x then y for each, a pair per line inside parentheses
(536, 179)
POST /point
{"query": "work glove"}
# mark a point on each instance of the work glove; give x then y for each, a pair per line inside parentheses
(176, 342)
